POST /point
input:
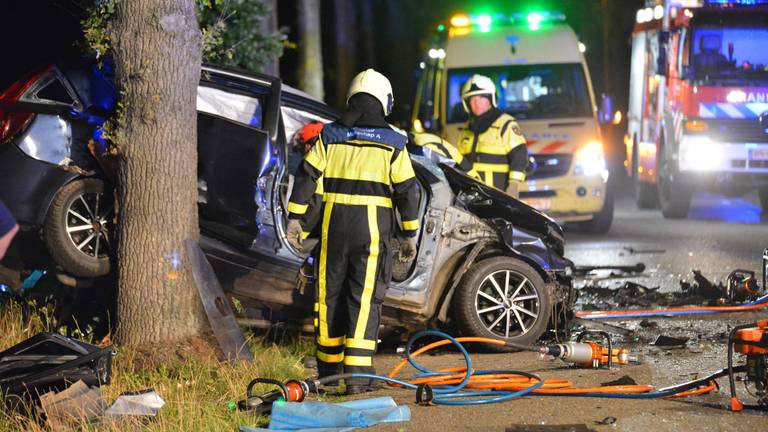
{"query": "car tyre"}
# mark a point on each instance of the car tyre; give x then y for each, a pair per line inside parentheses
(78, 229)
(763, 195)
(674, 194)
(521, 321)
(602, 220)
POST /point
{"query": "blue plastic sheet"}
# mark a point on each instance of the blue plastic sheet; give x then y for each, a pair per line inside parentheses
(323, 416)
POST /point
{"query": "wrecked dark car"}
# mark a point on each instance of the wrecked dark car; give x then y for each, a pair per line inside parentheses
(487, 263)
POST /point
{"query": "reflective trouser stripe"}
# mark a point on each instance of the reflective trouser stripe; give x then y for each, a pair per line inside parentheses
(487, 177)
(322, 335)
(370, 274)
(358, 360)
(360, 343)
(330, 358)
(330, 342)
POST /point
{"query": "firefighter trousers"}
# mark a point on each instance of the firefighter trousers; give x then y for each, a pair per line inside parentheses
(353, 271)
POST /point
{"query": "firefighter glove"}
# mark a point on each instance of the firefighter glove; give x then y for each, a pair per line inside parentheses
(407, 249)
(293, 233)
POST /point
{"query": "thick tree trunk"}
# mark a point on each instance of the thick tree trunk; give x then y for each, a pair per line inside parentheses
(269, 27)
(310, 48)
(345, 31)
(157, 57)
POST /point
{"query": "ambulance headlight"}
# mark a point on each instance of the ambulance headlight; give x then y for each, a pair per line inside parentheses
(699, 153)
(590, 160)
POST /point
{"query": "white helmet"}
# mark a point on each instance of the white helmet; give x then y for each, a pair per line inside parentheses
(375, 84)
(478, 85)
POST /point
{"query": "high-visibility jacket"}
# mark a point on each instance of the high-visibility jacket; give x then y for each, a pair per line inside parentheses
(498, 154)
(445, 149)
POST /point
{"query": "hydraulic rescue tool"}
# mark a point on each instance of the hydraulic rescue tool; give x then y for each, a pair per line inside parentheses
(751, 340)
(290, 391)
(589, 354)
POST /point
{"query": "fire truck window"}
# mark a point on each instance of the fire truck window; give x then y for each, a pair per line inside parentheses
(527, 91)
(730, 52)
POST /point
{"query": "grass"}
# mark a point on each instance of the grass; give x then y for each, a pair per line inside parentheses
(196, 392)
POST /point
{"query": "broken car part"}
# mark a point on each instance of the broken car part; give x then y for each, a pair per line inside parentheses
(583, 270)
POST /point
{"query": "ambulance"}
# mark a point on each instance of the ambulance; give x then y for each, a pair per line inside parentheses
(542, 80)
(698, 105)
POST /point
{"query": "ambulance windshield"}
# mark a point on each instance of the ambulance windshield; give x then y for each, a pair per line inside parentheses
(730, 52)
(542, 91)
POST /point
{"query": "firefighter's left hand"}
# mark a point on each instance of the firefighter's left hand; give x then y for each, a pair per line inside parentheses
(407, 249)
(293, 234)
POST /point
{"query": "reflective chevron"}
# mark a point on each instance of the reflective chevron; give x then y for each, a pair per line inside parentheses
(732, 111)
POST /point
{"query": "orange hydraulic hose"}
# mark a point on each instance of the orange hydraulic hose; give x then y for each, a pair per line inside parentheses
(674, 310)
(514, 382)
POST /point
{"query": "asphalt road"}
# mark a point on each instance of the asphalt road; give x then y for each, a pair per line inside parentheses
(720, 234)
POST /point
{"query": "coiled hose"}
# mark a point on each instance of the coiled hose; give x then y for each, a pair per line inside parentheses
(466, 386)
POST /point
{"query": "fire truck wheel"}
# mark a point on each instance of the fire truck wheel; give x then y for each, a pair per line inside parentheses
(763, 194)
(674, 194)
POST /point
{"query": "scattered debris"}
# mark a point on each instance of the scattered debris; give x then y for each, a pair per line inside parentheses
(649, 324)
(146, 403)
(607, 421)
(220, 315)
(669, 342)
(584, 270)
(625, 380)
(550, 428)
(632, 251)
(77, 405)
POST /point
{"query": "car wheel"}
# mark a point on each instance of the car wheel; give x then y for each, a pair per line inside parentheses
(674, 195)
(602, 220)
(645, 193)
(502, 298)
(78, 229)
(763, 194)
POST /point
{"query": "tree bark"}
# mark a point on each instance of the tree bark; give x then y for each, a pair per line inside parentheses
(157, 46)
(345, 31)
(310, 48)
(269, 27)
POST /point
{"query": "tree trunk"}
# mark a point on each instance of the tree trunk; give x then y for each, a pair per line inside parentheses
(368, 34)
(310, 48)
(157, 47)
(269, 27)
(345, 40)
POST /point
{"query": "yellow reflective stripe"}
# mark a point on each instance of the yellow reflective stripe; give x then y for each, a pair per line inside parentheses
(330, 358)
(474, 174)
(368, 200)
(411, 225)
(359, 163)
(370, 274)
(298, 209)
(402, 169)
(499, 168)
(317, 307)
(316, 322)
(330, 342)
(358, 361)
(322, 269)
(360, 343)
(316, 156)
(516, 176)
(304, 235)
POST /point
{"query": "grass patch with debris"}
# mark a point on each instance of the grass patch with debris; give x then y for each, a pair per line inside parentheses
(197, 392)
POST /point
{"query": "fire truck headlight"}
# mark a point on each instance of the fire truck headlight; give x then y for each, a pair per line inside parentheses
(700, 154)
(590, 160)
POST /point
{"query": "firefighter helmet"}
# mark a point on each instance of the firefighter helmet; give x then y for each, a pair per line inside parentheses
(375, 84)
(475, 86)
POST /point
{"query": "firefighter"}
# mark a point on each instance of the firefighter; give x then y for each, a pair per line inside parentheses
(366, 173)
(492, 140)
(445, 149)
(305, 139)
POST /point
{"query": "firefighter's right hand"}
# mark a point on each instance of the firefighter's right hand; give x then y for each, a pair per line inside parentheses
(293, 234)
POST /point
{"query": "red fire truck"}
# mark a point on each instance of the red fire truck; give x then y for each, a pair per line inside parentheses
(698, 105)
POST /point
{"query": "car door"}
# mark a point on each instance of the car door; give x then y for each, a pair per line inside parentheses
(236, 129)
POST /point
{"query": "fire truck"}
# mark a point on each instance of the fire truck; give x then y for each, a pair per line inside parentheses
(698, 103)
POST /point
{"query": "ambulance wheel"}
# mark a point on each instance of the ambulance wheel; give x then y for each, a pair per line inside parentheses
(602, 220)
(502, 298)
(763, 194)
(674, 194)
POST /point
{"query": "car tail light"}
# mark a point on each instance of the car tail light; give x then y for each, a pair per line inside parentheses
(12, 120)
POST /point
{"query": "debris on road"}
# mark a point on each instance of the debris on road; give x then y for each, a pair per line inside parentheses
(668, 342)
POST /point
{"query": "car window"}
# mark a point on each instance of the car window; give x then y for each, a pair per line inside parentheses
(293, 120)
(247, 110)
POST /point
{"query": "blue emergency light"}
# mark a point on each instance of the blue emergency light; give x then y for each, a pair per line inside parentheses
(735, 2)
